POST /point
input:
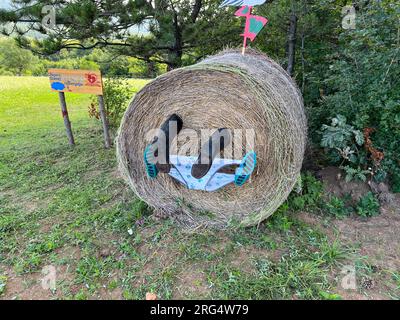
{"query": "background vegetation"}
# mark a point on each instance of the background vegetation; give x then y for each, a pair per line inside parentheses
(350, 73)
(67, 207)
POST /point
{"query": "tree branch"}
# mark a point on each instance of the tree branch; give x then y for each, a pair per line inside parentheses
(196, 10)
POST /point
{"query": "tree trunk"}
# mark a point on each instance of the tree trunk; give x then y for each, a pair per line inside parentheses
(303, 64)
(196, 10)
(178, 46)
(151, 69)
(291, 43)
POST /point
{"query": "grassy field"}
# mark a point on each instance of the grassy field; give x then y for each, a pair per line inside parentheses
(67, 208)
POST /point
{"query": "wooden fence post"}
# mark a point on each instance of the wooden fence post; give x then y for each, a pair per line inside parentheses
(103, 115)
(67, 123)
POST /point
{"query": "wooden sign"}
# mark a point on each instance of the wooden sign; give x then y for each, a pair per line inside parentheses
(78, 81)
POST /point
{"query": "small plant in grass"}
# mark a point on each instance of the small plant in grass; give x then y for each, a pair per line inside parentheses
(117, 94)
(280, 220)
(309, 195)
(330, 296)
(337, 207)
(368, 206)
(342, 140)
(355, 173)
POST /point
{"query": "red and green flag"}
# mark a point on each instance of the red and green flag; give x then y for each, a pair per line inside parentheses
(253, 26)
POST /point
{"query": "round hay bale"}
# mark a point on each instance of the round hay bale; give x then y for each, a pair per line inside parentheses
(227, 90)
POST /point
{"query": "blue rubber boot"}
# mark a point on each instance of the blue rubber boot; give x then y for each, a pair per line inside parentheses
(245, 169)
(151, 168)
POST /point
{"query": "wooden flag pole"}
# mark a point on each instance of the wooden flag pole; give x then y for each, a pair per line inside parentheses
(102, 111)
(244, 45)
(246, 30)
(67, 123)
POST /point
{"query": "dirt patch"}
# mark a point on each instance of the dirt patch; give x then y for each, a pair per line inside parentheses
(377, 244)
(35, 286)
(354, 295)
(244, 257)
(191, 283)
(106, 294)
(335, 184)
(27, 204)
(377, 237)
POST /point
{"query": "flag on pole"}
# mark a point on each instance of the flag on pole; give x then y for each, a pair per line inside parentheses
(254, 24)
(243, 11)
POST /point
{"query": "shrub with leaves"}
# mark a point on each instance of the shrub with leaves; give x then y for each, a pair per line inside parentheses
(363, 84)
(368, 206)
(117, 93)
(355, 173)
(337, 207)
(308, 195)
(344, 145)
(342, 139)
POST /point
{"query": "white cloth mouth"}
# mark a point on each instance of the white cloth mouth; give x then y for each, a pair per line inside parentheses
(212, 181)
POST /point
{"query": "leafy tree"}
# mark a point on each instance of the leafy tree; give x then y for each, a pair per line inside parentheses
(174, 30)
(363, 82)
(14, 59)
(354, 73)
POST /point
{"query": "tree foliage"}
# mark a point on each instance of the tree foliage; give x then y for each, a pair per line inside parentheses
(349, 72)
(15, 60)
(173, 30)
(363, 83)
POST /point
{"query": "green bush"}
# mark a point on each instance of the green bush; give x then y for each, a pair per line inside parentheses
(117, 93)
(337, 207)
(396, 182)
(15, 60)
(309, 195)
(343, 145)
(341, 140)
(363, 83)
(368, 206)
(355, 173)
(5, 72)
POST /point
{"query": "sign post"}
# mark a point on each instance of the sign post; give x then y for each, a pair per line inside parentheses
(67, 123)
(79, 81)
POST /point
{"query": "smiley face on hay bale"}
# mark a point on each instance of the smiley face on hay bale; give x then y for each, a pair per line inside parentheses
(243, 93)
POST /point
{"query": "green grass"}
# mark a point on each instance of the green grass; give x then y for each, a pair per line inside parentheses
(27, 105)
(68, 208)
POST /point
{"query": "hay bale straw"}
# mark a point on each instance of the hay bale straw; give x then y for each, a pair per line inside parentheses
(227, 90)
